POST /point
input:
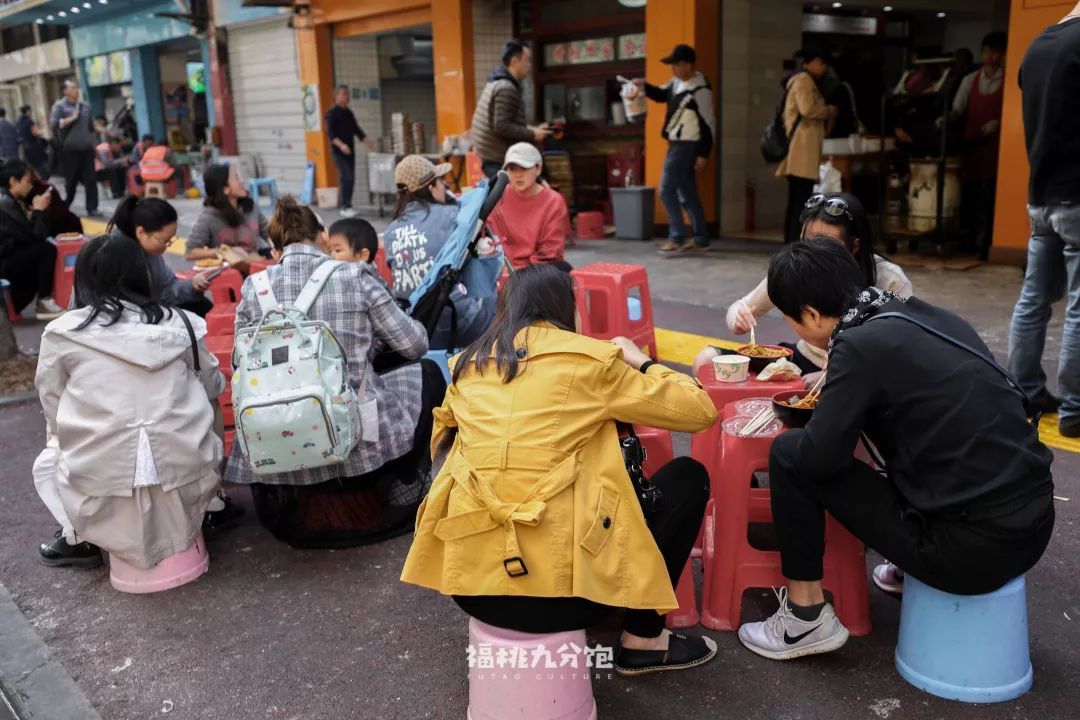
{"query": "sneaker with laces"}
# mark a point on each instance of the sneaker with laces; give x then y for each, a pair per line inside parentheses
(47, 309)
(348, 213)
(785, 637)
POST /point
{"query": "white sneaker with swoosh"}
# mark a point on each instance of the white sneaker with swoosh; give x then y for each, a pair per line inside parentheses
(785, 637)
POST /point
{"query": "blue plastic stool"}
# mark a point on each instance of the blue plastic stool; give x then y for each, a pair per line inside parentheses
(440, 358)
(972, 648)
(255, 186)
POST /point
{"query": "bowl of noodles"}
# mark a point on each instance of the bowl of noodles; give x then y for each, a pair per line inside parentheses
(762, 355)
(794, 408)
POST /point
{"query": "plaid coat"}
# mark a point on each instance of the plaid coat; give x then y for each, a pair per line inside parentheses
(363, 315)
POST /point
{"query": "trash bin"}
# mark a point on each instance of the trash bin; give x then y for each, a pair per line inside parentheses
(632, 207)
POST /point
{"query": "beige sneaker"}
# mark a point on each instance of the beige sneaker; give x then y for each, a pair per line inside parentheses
(47, 309)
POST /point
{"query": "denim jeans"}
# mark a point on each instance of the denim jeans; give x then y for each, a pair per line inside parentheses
(678, 189)
(346, 167)
(1053, 271)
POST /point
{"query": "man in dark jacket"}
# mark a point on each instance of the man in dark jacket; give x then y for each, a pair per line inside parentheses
(73, 127)
(33, 147)
(27, 258)
(689, 128)
(499, 120)
(341, 128)
(964, 499)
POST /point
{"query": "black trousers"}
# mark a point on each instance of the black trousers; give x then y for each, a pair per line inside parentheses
(200, 306)
(684, 483)
(79, 168)
(956, 555)
(346, 167)
(116, 177)
(29, 269)
(799, 191)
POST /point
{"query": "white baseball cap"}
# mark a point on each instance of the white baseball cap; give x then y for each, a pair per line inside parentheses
(524, 155)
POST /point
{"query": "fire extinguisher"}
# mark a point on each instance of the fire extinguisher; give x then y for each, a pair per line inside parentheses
(748, 220)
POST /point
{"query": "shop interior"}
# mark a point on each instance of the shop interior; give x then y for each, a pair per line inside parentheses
(183, 93)
(391, 78)
(896, 68)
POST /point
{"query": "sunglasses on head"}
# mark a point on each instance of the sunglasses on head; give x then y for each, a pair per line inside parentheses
(834, 206)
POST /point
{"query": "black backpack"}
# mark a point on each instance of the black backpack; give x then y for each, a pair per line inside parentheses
(775, 141)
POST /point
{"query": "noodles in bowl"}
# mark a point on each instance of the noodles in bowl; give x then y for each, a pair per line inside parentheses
(762, 355)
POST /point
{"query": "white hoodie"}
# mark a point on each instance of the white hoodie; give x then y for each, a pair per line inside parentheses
(103, 386)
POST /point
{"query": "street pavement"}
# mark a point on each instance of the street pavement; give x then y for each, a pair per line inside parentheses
(282, 634)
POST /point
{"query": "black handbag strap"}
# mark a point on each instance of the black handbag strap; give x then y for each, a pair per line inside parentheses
(963, 346)
(194, 342)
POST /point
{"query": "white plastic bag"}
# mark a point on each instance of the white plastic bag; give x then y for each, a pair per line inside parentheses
(831, 181)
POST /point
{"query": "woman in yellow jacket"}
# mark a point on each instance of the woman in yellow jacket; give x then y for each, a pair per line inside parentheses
(533, 523)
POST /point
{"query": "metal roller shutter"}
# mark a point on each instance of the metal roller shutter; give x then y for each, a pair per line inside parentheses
(266, 99)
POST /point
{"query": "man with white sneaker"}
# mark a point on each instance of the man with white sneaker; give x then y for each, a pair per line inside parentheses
(964, 497)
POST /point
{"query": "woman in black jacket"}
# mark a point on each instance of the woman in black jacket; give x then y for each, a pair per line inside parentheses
(27, 258)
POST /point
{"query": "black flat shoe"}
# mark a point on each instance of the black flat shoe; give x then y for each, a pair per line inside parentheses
(1045, 403)
(683, 653)
(218, 521)
(58, 553)
(1069, 428)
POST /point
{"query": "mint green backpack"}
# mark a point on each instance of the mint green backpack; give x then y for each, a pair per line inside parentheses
(291, 395)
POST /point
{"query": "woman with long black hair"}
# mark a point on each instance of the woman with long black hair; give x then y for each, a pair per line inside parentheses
(231, 226)
(533, 523)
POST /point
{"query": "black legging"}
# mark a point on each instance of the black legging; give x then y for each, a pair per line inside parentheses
(684, 483)
(799, 191)
(29, 268)
(963, 556)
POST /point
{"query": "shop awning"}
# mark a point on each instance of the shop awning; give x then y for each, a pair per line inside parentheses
(66, 12)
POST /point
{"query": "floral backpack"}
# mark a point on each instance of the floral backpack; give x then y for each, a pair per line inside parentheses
(294, 406)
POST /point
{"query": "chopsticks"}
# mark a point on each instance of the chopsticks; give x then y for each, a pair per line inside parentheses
(753, 340)
(759, 421)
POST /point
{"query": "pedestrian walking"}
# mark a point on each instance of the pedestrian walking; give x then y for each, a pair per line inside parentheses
(9, 138)
(73, 128)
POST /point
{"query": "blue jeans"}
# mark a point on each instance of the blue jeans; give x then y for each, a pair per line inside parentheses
(346, 167)
(1053, 271)
(678, 189)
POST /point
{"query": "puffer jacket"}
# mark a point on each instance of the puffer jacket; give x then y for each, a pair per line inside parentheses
(499, 120)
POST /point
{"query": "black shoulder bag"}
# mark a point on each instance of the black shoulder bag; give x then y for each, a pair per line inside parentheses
(634, 456)
(776, 141)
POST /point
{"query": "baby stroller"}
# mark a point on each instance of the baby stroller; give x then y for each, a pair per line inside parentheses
(434, 302)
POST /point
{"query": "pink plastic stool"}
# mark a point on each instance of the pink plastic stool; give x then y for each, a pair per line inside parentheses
(172, 572)
(535, 692)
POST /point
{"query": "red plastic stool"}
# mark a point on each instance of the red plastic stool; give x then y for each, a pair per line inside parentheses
(705, 447)
(603, 292)
(221, 322)
(658, 453)
(590, 225)
(221, 347)
(259, 265)
(732, 565)
(225, 288)
(13, 314)
(68, 246)
(230, 438)
(383, 267)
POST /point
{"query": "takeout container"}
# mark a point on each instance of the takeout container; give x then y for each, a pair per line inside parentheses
(757, 364)
(791, 416)
(731, 368)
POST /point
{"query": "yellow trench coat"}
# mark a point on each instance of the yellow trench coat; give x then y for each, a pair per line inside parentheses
(534, 499)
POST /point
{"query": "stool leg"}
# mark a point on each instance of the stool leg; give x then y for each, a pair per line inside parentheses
(846, 560)
(687, 614)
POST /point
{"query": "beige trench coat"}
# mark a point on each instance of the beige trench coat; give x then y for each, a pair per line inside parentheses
(804, 99)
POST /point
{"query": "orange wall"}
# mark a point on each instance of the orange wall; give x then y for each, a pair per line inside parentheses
(668, 23)
(452, 31)
(1028, 18)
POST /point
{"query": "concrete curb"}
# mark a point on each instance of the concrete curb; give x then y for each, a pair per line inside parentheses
(18, 398)
(38, 686)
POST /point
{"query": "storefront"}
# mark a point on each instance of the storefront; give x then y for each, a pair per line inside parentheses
(896, 69)
(578, 48)
(33, 76)
(260, 65)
